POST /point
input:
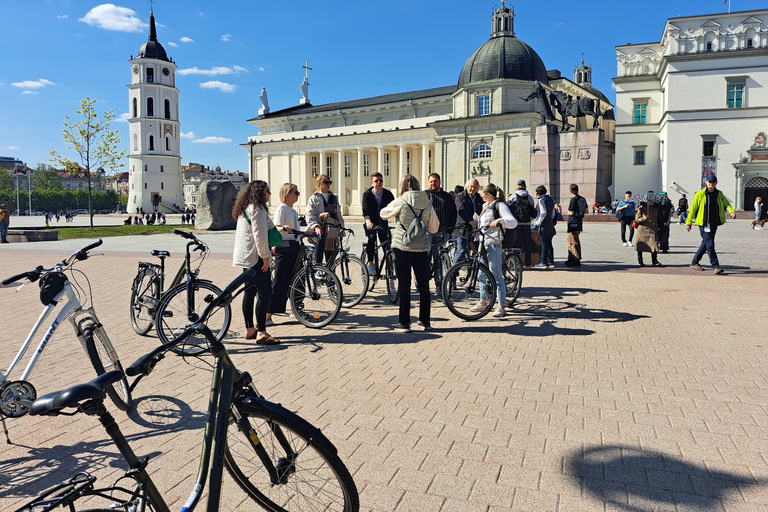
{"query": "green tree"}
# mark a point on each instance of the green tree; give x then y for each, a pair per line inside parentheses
(46, 177)
(5, 179)
(93, 142)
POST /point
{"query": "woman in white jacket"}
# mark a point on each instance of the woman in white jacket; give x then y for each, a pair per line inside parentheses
(252, 250)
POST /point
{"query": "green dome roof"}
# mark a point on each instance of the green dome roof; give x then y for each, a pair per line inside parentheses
(503, 57)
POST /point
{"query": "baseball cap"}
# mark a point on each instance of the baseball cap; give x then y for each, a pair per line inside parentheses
(521, 182)
(712, 178)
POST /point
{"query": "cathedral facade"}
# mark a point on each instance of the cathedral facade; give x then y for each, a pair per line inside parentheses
(506, 119)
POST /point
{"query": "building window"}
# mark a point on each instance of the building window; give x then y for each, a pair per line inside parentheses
(329, 166)
(366, 165)
(386, 164)
(161, 169)
(483, 105)
(151, 143)
(314, 166)
(709, 46)
(749, 43)
(167, 144)
(167, 109)
(145, 167)
(150, 75)
(161, 185)
(347, 166)
(135, 107)
(482, 151)
(708, 148)
(150, 107)
(145, 185)
(735, 95)
(639, 155)
(639, 113)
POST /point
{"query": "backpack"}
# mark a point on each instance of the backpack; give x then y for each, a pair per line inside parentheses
(510, 235)
(416, 229)
(521, 209)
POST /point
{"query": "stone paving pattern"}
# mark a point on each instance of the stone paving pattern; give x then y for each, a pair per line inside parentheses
(607, 388)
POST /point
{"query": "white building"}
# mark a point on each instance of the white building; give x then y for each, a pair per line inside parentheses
(155, 151)
(692, 105)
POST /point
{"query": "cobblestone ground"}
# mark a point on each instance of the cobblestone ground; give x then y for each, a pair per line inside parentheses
(611, 387)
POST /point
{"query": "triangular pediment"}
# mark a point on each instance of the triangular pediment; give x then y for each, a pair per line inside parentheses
(751, 21)
(711, 24)
(673, 28)
(647, 51)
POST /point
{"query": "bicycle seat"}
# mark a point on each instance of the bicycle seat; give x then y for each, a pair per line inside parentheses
(52, 403)
(160, 254)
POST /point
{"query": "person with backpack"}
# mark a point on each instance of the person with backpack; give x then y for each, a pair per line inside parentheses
(498, 221)
(414, 218)
(523, 210)
(576, 210)
(545, 220)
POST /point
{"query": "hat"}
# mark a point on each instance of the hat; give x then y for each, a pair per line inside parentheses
(712, 178)
(521, 182)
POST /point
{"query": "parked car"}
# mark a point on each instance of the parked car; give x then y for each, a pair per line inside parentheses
(81, 211)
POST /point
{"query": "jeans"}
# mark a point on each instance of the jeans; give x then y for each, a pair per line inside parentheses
(707, 245)
(494, 265)
(683, 217)
(419, 263)
(627, 221)
(462, 244)
(523, 241)
(547, 251)
(4, 230)
(262, 286)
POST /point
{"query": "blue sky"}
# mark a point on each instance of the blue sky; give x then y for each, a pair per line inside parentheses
(56, 52)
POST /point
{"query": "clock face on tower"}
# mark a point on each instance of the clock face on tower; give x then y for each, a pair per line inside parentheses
(166, 71)
(135, 70)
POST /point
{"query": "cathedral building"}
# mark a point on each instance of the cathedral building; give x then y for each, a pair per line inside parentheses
(154, 161)
(693, 104)
(507, 118)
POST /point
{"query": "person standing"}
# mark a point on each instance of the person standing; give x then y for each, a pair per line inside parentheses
(5, 220)
(758, 208)
(286, 220)
(445, 209)
(469, 204)
(251, 250)
(647, 217)
(324, 201)
(708, 212)
(627, 209)
(413, 254)
(576, 210)
(544, 221)
(682, 207)
(374, 199)
(666, 212)
(523, 209)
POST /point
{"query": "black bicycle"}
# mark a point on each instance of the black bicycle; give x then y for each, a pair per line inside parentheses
(315, 293)
(350, 270)
(512, 267)
(281, 461)
(469, 288)
(386, 268)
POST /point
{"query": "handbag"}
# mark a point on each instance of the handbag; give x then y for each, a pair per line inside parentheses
(620, 214)
(273, 235)
(634, 224)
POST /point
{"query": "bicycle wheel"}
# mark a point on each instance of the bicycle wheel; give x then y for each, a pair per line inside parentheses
(104, 359)
(144, 295)
(310, 474)
(317, 300)
(393, 290)
(353, 276)
(461, 290)
(174, 311)
(513, 277)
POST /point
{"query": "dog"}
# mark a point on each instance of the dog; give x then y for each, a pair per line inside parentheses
(758, 224)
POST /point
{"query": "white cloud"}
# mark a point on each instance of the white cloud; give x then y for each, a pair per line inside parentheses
(215, 84)
(261, 69)
(112, 17)
(30, 92)
(226, 37)
(63, 16)
(186, 40)
(173, 44)
(122, 118)
(11, 148)
(240, 69)
(189, 135)
(212, 140)
(219, 70)
(33, 84)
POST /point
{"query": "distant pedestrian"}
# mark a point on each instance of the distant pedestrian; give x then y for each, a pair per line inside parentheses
(576, 210)
(708, 212)
(647, 217)
(523, 209)
(666, 212)
(682, 209)
(544, 220)
(758, 208)
(627, 210)
(5, 220)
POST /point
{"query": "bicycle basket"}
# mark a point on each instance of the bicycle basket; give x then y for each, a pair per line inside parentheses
(347, 240)
(50, 286)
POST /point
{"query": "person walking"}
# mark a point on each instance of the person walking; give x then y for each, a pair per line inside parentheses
(495, 217)
(374, 199)
(627, 209)
(666, 212)
(412, 252)
(445, 209)
(682, 208)
(468, 206)
(324, 201)
(523, 209)
(708, 212)
(251, 250)
(647, 217)
(286, 220)
(576, 210)
(544, 221)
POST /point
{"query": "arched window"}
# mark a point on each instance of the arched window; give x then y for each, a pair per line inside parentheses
(482, 151)
(161, 185)
(135, 107)
(150, 107)
(151, 142)
(167, 109)
(167, 143)
(135, 143)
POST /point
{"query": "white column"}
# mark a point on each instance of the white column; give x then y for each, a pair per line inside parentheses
(424, 166)
(340, 169)
(401, 162)
(321, 163)
(380, 161)
(302, 181)
(359, 198)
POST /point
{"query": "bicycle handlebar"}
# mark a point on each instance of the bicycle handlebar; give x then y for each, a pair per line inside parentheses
(34, 275)
(184, 234)
(29, 275)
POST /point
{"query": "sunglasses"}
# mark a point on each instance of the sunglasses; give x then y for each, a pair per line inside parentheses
(327, 183)
(295, 191)
(378, 181)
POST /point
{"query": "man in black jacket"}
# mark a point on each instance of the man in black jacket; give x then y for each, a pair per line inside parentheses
(445, 209)
(469, 204)
(374, 199)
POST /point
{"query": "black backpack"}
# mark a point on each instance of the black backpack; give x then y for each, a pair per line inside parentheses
(521, 209)
(510, 235)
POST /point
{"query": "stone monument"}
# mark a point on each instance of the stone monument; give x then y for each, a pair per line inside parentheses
(215, 201)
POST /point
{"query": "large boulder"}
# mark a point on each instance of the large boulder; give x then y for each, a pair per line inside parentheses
(215, 201)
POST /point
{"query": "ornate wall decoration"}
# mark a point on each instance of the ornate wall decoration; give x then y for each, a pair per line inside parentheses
(584, 154)
(565, 154)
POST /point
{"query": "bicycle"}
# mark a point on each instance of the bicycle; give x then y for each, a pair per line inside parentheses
(512, 267)
(387, 264)
(444, 261)
(17, 396)
(179, 305)
(351, 271)
(469, 283)
(315, 293)
(277, 458)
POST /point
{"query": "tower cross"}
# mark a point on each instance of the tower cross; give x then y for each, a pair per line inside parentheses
(305, 66)
(152, 5)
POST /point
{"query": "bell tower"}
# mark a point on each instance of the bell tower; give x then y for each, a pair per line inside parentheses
(154, 162)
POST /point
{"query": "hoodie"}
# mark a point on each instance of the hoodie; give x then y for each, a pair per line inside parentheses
(521, 193)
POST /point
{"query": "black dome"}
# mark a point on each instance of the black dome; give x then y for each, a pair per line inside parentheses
(503, 57)
(152, 49)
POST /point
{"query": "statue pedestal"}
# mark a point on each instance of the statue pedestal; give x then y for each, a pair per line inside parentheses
(304, 101)
(263, 111)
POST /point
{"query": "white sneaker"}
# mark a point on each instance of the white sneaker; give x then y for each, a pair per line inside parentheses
(499, 312)
(480, 306)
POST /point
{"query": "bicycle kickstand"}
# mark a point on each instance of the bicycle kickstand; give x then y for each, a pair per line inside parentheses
(5, 429)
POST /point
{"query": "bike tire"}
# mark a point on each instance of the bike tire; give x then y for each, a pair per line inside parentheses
(144, 295)
(104, 359)
(513, 277)
(462, 286)
(315, 478)
(393, 286)
(355, 284)
(172, 317)
(322, 304)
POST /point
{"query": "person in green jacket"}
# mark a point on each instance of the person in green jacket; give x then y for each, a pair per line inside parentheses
(708, 212)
